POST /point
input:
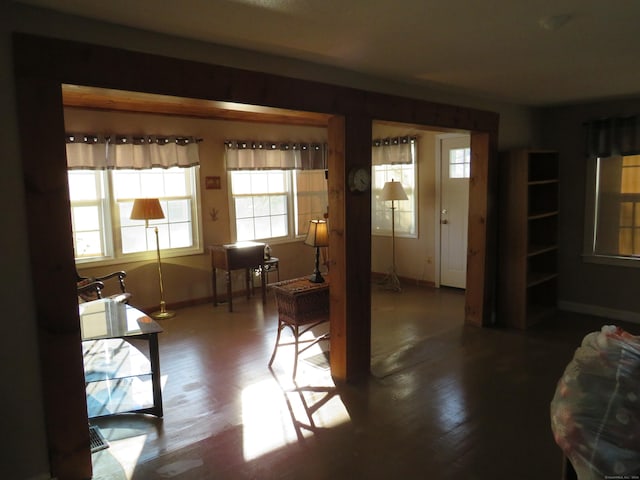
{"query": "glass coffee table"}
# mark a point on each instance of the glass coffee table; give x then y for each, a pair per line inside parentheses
(119, 377)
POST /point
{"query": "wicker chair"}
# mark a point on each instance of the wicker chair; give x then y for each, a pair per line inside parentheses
(302, 306)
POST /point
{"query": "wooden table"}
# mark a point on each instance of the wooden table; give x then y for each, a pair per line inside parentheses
(302, 305)
(246, 256)
(115, 370)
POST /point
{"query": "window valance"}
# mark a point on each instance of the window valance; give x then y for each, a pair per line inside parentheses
(264, 155)
(392, 150)
(607, 137)
(101, 152)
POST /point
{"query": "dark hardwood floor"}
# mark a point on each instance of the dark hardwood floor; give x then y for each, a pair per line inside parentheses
(444, 401)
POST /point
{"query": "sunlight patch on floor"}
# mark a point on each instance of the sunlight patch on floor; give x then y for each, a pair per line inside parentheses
(119, 461)
(276, 413)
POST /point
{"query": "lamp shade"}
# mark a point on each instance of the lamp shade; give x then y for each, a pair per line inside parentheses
(146, 209)
(393, 191)
(318, 234)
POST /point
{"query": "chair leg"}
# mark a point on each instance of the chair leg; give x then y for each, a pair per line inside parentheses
(275, 348)
(296, 333)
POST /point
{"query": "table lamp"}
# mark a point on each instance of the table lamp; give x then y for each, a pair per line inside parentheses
(317, 236)
(149, 209)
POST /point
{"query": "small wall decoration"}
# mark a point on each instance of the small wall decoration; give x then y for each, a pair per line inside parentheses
(212, 183)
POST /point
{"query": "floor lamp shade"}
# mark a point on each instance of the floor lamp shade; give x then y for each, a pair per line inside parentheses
(393, 191)
(146, 209)
(149, 209)
(317, 236)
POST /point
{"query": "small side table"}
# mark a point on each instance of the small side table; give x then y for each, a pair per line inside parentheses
(302, 305)
(245, 256)
(271, 265)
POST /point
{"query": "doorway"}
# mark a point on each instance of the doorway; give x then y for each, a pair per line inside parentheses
(454, 164)
(39, 66)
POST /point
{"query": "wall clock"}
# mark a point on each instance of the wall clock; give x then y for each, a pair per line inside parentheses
(359, 179)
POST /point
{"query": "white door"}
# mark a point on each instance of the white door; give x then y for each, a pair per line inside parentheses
(455, 158)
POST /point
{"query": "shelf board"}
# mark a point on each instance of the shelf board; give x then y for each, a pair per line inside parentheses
(534, 279)
(119, 396)
(536, 313)
(540, 249)
(543, 182)
(536, 216)
(112, 359)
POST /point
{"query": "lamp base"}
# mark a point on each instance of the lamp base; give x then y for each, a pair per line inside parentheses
(391, 282)
(162, 315)
(316, 278)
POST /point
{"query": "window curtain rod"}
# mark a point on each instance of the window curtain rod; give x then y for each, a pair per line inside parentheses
(389, 141)
(134, 139)
(269, 145)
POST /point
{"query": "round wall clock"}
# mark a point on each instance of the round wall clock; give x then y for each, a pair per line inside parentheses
(359, 179)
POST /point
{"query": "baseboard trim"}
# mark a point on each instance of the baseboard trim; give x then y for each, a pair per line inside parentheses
(598, 311)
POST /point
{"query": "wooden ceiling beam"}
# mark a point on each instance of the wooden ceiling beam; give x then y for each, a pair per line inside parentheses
(124, 101)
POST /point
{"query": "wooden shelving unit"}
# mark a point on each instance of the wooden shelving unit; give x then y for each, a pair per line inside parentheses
(527, 237)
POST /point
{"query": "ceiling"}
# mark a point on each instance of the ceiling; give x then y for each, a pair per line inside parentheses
(537, 53)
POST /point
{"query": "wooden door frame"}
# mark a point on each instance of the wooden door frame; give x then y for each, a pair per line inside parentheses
(42, 65)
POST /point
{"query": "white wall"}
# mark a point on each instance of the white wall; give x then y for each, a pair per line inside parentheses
(25, 455)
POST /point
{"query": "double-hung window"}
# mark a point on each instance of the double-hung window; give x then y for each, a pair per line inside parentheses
(394, 159)
(102, 199)
(261, 203)
(613, 221)
(276, 204)
(276, 189)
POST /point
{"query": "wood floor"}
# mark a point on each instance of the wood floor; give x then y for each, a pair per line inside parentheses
(444, 401)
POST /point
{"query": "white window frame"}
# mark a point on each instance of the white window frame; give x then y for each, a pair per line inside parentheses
(111, 227)
(591, 218)
(387, 172)
(293, 212)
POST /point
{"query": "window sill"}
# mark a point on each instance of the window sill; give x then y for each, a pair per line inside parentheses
(612, 260)
(139, 257)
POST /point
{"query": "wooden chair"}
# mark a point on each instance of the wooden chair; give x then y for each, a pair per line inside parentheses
(91, 288)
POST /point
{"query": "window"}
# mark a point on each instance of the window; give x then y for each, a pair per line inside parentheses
(101, 202)
(394, 159)
(312, 201)
(405, 209)
(460, 163)
(276, 204)
(613, 209)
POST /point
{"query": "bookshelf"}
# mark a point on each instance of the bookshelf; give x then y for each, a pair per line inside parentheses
(527, 237)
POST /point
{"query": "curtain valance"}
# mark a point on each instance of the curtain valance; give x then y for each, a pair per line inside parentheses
(100, 152)
(263, 155)
(607, 137)
(392, 150)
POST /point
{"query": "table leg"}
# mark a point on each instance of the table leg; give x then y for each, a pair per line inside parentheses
(215, 286)
(229, 295)
(263, 284)
(247, 281)
(154, 360)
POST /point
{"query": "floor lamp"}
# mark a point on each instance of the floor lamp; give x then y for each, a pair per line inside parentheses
(149, 209)
(393, 191)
